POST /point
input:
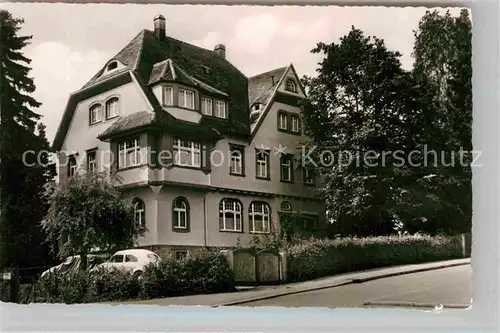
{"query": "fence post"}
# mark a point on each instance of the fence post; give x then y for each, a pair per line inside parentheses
(13, 278)
(284, 266)
(462, 237)
(229, 257)
(464, 252)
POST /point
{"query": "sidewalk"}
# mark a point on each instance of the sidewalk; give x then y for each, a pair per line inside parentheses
(267, 292)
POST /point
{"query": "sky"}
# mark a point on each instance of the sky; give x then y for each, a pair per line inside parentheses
(71, 42)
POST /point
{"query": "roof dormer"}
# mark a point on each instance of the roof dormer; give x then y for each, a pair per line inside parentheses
(112, 66)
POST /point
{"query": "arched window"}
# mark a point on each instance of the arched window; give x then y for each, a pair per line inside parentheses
(259, 217)
(112, 65)
(230, 215)
(140, 214)
(112, 108)
(180, 214)
(95, 114)
(286, 206)
(290, 85)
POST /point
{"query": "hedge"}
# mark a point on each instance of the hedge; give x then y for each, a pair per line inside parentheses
(315, 258)
(204, 271)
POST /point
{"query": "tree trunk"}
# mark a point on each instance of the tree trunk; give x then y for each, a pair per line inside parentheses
(83, 258)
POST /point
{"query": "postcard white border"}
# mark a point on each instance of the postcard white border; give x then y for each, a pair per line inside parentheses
(483, 316)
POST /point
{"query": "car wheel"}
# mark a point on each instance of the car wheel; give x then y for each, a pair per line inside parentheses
(137, 274)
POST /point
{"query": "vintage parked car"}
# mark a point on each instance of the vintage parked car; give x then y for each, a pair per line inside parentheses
(73, 263)
(134, 261)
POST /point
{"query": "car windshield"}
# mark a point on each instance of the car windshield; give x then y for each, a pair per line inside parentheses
(116, 258)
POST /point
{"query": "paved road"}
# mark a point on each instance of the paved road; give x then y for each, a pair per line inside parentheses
(442, 286)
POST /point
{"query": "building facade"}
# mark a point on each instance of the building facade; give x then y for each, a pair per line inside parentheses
(208, 156)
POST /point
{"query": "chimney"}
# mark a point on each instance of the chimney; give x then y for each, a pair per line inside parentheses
(220, 50)
(272, 80)
(159, 24)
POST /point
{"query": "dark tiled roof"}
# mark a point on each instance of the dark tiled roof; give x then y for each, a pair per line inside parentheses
(129, 122)
(146, 50)
(261, 87)
(161, 71)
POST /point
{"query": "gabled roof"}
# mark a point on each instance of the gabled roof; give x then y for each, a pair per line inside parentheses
(267, 93)
(189, 63)
(260, 87)
(110, 82)
(146, 57)
(149, 60)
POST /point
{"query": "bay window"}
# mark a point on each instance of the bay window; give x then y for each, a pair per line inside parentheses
(129, 153)
(186, 99)
(168, 96)
(220, 109)
(206, 106)
(187, 153)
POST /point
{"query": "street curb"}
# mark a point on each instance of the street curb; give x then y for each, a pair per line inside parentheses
(417, 305)
(342, 283)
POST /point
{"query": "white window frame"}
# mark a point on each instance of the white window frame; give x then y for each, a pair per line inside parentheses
(220, 110)
(262, 159)
(295, 124)
(115, 102)
(92, 163)
(207, 106)
(96, 113)
(140, 214)
(184, 96)
(168, 96)
(264, 214)
(286, 162)
(283, 121)
(236, 161)
(177, 223)
(194, 149)
(125, 149)
(231, 206)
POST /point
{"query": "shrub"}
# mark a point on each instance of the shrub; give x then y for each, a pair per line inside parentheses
(314, 258)
(203, 272)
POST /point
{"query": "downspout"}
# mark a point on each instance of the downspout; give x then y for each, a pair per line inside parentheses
(205, 220)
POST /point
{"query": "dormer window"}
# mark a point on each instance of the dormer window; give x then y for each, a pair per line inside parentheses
(220, 109)
(290, 85)
(257, 107)
(95, 114)
(206, 106)
(186, 99)
(112, 65)
(112, 108)
(168, 96)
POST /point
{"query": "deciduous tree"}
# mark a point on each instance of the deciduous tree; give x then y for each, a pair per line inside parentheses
(87, 213)
(366, 114)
